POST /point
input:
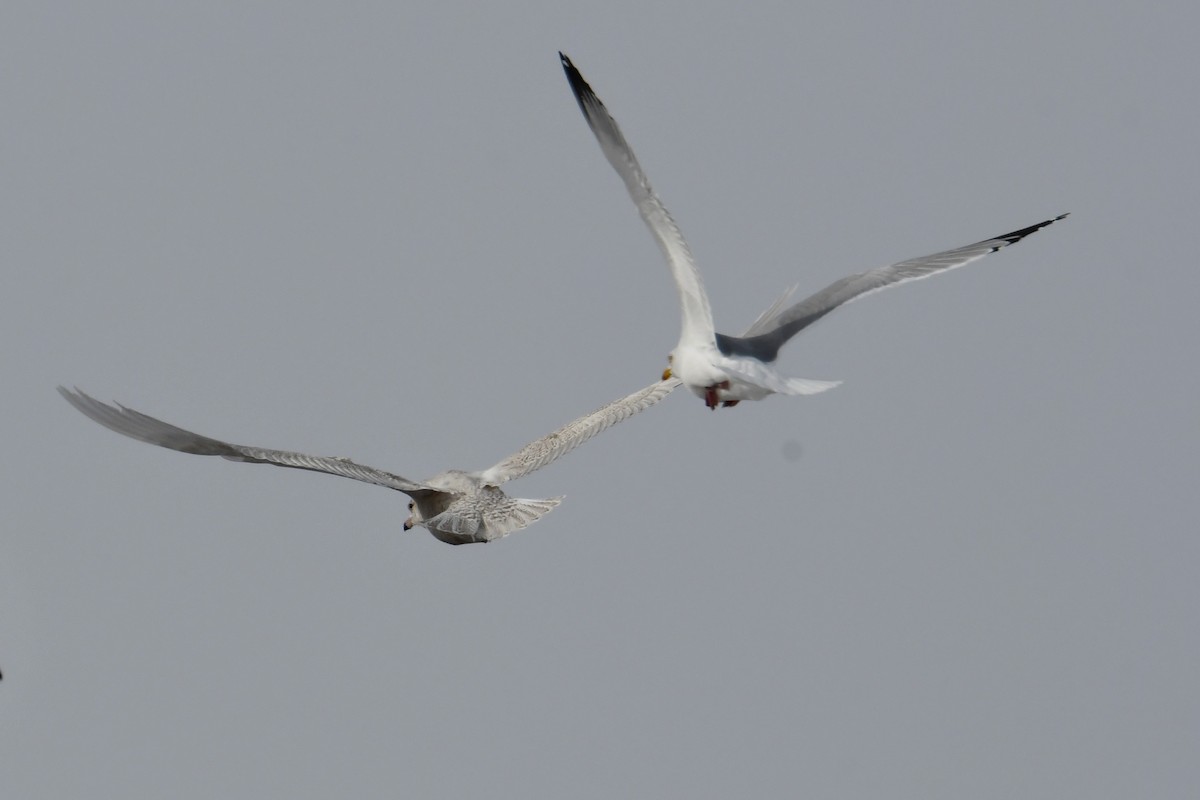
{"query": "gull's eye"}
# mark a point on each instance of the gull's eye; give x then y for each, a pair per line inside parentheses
(410, 505)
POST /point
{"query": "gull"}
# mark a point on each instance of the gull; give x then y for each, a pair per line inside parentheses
(724, 370)
(457, 507)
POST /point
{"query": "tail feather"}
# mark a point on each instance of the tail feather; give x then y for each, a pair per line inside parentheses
(808, 386)
(758, 374)
(514, 514)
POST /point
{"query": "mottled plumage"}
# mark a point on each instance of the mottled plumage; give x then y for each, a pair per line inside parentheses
(455, 506)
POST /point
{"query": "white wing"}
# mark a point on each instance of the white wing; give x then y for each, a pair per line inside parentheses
(541, 452)
(144, 428)
(789, 322)
(697, 314)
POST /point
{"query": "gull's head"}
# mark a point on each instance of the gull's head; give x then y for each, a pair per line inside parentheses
(666, 376)
(414, 516)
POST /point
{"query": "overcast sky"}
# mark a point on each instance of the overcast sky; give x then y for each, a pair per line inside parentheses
(383, 230)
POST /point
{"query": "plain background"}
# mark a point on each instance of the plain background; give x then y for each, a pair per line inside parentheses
(383, 230)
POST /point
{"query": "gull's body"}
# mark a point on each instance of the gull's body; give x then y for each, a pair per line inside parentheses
(725, 370)
(457, 507)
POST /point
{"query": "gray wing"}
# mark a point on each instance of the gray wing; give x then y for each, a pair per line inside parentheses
(541, 452)
(772, 330)
(144, 428)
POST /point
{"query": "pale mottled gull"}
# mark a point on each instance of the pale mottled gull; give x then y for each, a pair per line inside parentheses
(455, 506)
(725, 370)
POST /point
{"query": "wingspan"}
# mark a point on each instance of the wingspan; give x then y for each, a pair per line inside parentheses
(774, 329)
(145, 428)
(551, 447)
(697, 313)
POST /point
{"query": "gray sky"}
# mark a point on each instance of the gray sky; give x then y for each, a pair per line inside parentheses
(384, 231)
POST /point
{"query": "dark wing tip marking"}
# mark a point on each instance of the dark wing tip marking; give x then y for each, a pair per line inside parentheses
(579, 87)
(573, 74)
(1016, 236)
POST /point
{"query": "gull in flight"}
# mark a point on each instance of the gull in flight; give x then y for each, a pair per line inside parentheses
(457, 507)
(724, 370)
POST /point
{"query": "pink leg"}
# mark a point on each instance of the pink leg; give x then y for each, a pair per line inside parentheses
(710, 395)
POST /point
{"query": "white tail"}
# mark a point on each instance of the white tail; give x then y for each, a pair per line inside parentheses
(807, 386)
(514, 514)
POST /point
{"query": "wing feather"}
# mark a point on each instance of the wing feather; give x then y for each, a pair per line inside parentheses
(541, 452)
(145, 428)
(697, 313)
(766, 320)
(788, 322)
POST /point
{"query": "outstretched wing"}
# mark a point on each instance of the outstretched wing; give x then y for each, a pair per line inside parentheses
(541, 452)
(697, 314)
(774, 329)
(144, 428)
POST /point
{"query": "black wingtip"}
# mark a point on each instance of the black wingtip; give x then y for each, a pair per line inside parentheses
(573, 74)
(579, 87)
(1016, 236)
(571, 71)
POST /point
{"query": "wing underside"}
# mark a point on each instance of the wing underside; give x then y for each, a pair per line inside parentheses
(777, 325)
(697, 313)
(553, 446)
(151, 430)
